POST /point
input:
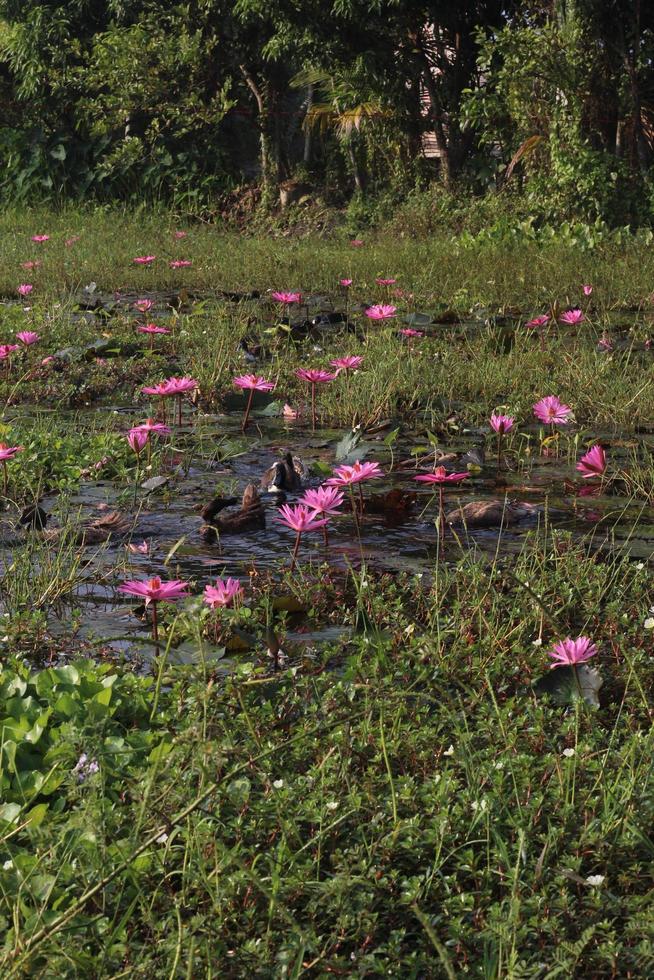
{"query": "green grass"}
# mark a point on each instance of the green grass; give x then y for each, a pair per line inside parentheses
(401, 801)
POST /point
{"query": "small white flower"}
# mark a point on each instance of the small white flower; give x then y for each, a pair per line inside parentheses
(7, 865)
(595, 880)
(568, 753)
(449, 751)
(332, 805)
(278, 783)
(640, 566)
(498, 765)
(162, 838)
(537, 642)
(649, 623)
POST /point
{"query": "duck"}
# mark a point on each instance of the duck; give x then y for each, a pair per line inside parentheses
(288, 474)
(395, 506)
(491, 513)
(250, 516)
(110, 525)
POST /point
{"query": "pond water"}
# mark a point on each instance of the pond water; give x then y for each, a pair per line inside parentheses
(168, 517)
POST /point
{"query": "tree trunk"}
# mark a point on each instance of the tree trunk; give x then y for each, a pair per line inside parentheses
(308, 132)
(269, 159)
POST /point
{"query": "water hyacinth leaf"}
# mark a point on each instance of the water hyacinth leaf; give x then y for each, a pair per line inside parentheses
(564, 687)
(346, 444)
(271, 411)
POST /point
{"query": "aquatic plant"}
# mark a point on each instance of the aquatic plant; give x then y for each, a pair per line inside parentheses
(314, 376)
(154, 591)
(299, 519)
(251, 383)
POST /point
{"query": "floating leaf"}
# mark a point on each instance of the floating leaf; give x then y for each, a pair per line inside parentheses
(568, 684)
(346, 444)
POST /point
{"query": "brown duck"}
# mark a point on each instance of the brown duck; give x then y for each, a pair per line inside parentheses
(250, 516)
(491, 513)
(395, 506)
(111, 525)
(285, 475)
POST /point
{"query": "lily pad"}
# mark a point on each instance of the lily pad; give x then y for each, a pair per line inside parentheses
(565, 685)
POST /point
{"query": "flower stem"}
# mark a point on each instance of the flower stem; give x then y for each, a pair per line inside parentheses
(246, 415)
(295, 550)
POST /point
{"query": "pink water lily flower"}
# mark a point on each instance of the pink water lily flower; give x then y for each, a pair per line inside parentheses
(150, 425)
(223, 593)
(180, 386)
(40, 238)
(572, 317)
(323, 500)
(7, 453)
(137, 439)
(440, 475)
(345, 282)
(385, 282)
(251, 383)
(346, 476)
(593, 463)
(27, 337)
(570, 652)
(180, 263)
(71, 241)
(24, 289)
(501, 423)
(160, 389)
(409, 332)
(552, 411)
(139, 549)
(254, 382)
(350, 363)
(144, 259)
(180, 234)
(587, 290)
(151, 328)
(6, 350)
(299, 519)
(381, 311)
(154, 591)
(143, 305)
(30, 265)
(287, 298)
(537, 321)
(315, 375)
(356, 242)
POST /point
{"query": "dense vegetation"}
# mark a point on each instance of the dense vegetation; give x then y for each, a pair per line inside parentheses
(548, 101)
(408, 790)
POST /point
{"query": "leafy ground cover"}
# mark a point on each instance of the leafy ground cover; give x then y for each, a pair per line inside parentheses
(362, 763)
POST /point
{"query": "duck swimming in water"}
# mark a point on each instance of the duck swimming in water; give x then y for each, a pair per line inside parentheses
(286, 475)
(491, 513)
(111, 525)
(250, 516)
